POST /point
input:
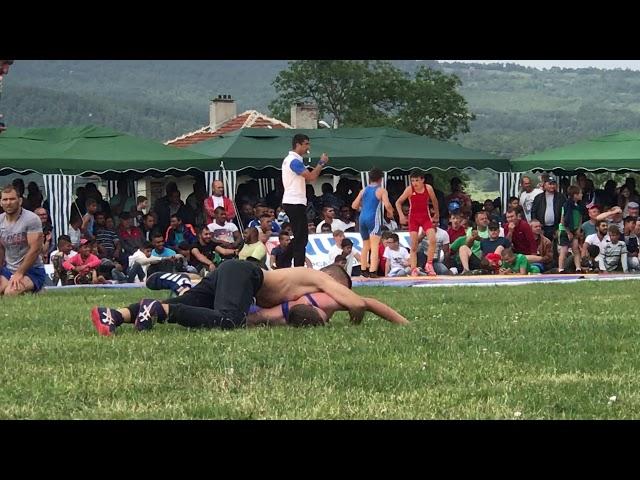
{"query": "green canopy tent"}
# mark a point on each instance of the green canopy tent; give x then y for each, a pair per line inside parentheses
(617, 152)
(353, 150)
(60, 154)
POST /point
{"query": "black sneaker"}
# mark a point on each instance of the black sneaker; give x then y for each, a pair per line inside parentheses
(149, 311)
(365, 273)
(178, 283)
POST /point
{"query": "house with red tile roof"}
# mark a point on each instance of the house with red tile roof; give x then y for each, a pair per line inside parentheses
(223, 118)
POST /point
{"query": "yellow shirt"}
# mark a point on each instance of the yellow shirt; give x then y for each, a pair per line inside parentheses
(256, 250)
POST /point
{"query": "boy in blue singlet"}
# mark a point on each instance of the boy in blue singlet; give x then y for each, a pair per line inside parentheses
(368, 201)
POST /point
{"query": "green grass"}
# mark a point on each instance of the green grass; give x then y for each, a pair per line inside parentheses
(471, 352)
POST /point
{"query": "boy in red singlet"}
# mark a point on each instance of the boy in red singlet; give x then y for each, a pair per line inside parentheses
(419, 194)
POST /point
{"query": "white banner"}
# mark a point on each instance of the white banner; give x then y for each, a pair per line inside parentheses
(319, 245)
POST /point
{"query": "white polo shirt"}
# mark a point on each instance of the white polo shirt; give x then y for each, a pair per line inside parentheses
(295, 191)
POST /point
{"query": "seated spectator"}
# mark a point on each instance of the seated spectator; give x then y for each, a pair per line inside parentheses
(397, 258)
(107, 239)
(246, 214)
(613, 257)
(326, 228)
(47, 235)
(543, 259)
(492, 213)
(352, 257)
(311, 228)
(456, 230)
(253, 247)
(385, 238)
(590, 226)
(346, 216)
(224, 234)
(519, 233)
(171, 262)
(590, 262)
(613, 217)
(258, 211)
(513, 202)
(286, 227)
(281, 216)
(634, 209)
(442, 255)
(131, 238)
(202, 253)
(59, 256)
(336, 248)
(148, 227)
(516, 263)
(599, 239)
(468, 247)
(179, 232)
(266, 226)
(631, 240)
(329, 218)
(340, 260)
(184, 249)
(277, 254)
(82, 268)
(495, 243)
(140, 261)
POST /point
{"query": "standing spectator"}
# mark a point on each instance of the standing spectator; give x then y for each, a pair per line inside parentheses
(547, 208)
(614, 217)
(543, 258)
(519, 233)
(88, 219)
(328, 199)
(217, 199)
(624, 197)
(570, 222)
(195, 201)
(18, 183)
(93, 192)
(142, 204)
(607, 197)
(122, 201)
(634, 210)
(527, 196)
(75, 234)
(21, 268)
(34, 198)
(179, 232)
(162, 208)
(458, 195)
(294, 200)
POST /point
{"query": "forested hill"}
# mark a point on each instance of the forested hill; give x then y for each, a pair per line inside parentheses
(519, 110)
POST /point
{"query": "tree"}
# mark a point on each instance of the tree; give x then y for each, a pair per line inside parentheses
(369, 94)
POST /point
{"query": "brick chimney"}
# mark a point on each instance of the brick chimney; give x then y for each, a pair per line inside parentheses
(304, 115)
(221, 109)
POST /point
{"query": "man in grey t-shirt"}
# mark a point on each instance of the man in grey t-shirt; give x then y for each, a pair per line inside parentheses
(21, 268)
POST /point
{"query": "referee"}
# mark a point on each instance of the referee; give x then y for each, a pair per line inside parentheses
(294, 200)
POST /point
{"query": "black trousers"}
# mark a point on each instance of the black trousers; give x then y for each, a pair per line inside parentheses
(221, 300)
(298, 247)
(549, 231)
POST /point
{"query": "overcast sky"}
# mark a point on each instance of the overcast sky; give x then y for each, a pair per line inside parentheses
(631, 64)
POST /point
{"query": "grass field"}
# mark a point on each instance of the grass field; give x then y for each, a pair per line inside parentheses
(524, 352)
